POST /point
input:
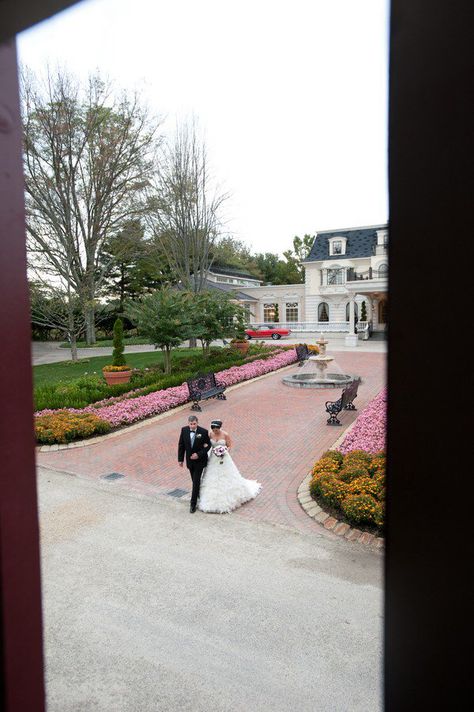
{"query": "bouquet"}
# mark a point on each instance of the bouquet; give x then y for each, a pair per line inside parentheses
(219, 451)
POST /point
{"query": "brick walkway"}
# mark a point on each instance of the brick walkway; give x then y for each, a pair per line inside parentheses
(278, 434)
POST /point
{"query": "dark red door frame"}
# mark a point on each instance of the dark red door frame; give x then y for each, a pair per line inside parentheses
(22, 655)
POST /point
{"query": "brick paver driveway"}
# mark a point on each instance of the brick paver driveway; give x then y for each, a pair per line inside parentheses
(278, 433)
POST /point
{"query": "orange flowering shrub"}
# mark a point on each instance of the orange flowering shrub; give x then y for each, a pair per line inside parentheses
(331, 489)
(352, 485)
(352, 472)
(363, 509)
(62, 426)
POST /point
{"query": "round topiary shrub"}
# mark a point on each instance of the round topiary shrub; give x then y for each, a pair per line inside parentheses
(64, 427)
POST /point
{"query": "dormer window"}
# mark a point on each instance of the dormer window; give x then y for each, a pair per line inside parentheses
(337, 246)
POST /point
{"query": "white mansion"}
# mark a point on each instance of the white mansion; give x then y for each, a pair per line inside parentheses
(343, 269)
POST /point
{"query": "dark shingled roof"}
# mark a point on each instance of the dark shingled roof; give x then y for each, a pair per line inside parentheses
(229, 288)
(232, 272)
(361, 242)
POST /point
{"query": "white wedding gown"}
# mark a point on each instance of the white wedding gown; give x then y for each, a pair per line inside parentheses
(222, 486)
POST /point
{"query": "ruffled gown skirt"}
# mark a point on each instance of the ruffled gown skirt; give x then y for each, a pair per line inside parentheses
(223, 488)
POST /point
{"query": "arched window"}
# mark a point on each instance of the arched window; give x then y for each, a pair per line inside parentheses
(383, 270)
(323, 312)
(356, 311)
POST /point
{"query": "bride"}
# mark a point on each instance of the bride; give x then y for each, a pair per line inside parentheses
(223, 488)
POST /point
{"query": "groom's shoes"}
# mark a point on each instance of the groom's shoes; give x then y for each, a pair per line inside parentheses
(192, 508)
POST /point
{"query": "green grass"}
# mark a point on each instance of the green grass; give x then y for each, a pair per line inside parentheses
(130, 341)
(65, 371)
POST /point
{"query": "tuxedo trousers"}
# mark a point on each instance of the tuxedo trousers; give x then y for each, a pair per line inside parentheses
(195, 468)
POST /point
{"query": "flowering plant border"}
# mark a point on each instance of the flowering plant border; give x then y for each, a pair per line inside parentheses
(125, 411)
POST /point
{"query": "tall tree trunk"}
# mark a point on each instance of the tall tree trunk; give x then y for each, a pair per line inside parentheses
(73, 344)
(90, 324)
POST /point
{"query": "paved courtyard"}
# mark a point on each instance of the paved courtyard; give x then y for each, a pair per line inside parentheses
(278, 434)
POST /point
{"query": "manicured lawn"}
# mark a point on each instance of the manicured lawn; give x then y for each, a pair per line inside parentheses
(67, 370)
(132, 341)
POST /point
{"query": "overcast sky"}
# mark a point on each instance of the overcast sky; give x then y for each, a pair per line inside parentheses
(292, 97)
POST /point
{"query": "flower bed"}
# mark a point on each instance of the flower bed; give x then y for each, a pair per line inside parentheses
(124, 410)
(351, 487)
(62, 426)
(369, 431)
(349, 483)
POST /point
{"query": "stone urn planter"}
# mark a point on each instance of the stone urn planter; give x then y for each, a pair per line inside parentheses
(242, 346)
(114, 377)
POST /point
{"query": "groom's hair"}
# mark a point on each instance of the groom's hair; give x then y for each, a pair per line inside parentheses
(192, 418)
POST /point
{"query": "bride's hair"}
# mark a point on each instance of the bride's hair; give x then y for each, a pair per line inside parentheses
(216, 424)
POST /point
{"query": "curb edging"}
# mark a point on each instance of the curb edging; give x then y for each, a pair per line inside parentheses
(330, 523)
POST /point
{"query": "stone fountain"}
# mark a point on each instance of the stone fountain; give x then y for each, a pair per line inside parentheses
(314, 372)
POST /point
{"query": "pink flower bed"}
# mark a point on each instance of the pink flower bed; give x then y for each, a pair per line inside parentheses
(123, 411)
(369, 431)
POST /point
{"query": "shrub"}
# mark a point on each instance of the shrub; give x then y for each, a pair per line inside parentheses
(353, 485)
(363, 485)
(352, 471)
(327, 466)
(118, 359)
(358, 457)
(333, 455)
(363, 509)
(64, 427)
(329, 489)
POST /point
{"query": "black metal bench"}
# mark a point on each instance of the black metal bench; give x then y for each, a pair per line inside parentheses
(202, 387)
(345, 402)
(302, 353)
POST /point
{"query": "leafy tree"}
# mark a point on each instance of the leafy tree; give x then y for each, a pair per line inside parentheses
(229, 252)
(216, 315)
(165, 317)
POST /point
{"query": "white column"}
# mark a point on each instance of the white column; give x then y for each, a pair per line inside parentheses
(351, 338)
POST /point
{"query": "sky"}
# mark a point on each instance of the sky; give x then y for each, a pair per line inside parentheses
(292, 98)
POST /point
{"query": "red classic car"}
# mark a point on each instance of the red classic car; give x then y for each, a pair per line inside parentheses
(266, 331)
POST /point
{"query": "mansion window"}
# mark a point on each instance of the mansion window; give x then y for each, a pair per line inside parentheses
(291, 311)
(356, 311)
(323, 312)
(337, 245)
(269, 312)
(383, 270)
(335, 276)
(247, 313)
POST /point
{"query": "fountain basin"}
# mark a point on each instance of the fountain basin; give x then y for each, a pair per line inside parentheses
(313, 380)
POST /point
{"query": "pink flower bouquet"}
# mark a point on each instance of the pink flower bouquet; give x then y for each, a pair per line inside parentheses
(220, 451)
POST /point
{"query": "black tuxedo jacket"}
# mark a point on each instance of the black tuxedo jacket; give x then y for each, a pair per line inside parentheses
(201, 439)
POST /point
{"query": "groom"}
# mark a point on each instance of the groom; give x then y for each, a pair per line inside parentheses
(194, 441)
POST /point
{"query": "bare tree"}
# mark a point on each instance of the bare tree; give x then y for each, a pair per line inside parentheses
(88, 157)
(184, 207)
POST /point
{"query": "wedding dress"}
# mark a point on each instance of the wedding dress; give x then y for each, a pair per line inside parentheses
(222, 486)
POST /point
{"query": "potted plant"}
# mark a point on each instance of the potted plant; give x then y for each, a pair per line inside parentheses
(240, 342)
(118, 371)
